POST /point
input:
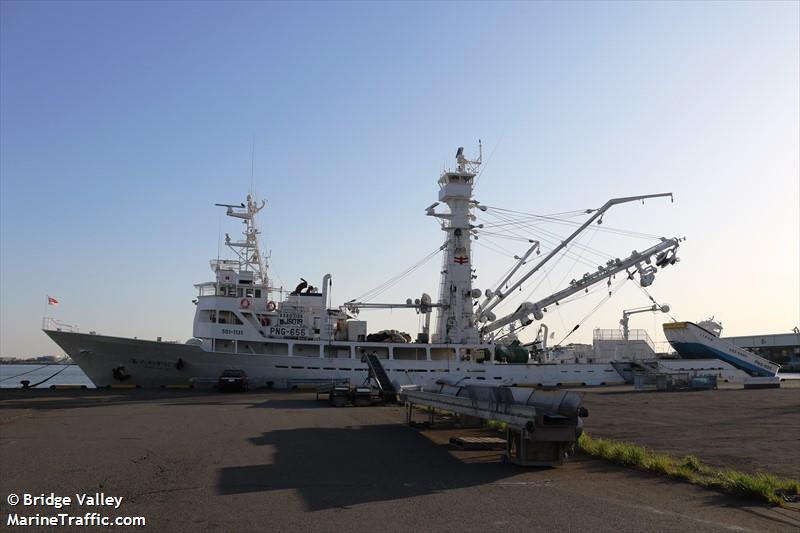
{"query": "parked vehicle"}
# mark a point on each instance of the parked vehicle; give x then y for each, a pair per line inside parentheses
(233, 380)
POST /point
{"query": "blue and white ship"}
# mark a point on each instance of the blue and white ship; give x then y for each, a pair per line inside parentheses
(702, 341)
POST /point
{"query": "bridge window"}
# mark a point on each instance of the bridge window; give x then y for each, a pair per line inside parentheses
(222, 345)
(442, 354)
(381, 351)
(250, 348)
(227, 290)
(413, 354)
(275, 348)
(228, 317)
(306, 350)
(338, 352)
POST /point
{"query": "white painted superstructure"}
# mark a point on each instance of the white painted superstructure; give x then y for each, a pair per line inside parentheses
(285, 339)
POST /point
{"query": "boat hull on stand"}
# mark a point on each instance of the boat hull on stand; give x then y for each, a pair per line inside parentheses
(694, 342)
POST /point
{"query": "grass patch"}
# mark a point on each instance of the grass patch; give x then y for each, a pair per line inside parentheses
(660, 464)
(763, 487)
(691, 463)
(496, 425)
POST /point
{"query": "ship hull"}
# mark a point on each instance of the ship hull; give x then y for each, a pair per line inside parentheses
(691, 341)
(111, 361)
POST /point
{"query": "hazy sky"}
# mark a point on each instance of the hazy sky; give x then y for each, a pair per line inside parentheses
(121, 124)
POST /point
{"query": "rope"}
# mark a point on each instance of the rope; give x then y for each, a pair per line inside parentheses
(23, 373)
(51, 377)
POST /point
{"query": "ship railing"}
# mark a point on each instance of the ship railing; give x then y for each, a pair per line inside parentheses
(616, 335)
(52, 324)
(664, 348)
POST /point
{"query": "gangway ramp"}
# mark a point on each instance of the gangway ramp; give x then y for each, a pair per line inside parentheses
(378, 373)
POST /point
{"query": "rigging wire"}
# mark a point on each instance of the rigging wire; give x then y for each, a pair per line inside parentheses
(570, 299)
(575, 263)
(510, 221)
(277, 274)
(500, 246)
(583, 248)
(502, 276)
(558, 238)
(545, 272)
(383, 287)
(530, 221)
(653, 300)
(596, 307)
(505, 221)
(494, 249)
(554, 218)
(550, 241)
(577, 259)
(488, 160)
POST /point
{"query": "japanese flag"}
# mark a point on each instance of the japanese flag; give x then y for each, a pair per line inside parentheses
(51, 301)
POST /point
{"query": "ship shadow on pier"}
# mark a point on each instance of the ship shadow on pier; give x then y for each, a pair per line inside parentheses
(341, 467)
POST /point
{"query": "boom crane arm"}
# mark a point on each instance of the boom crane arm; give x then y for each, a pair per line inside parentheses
(422, 305)
(664, 308)
(665, 255)
(494, 298)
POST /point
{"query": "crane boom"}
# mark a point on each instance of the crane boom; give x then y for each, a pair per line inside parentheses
(665, 252)
(496, 297)
(664, 308)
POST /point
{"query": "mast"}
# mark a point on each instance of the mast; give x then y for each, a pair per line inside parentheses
(248, 251)
(456, 322)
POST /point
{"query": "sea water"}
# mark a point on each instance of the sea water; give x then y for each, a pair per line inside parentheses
(11, 375)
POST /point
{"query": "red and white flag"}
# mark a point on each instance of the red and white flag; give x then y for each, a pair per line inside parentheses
(51, 300)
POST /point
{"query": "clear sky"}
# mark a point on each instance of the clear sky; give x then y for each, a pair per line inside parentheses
(121, 124)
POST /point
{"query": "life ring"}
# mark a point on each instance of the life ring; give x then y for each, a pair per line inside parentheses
(271, 306)
(244, 303)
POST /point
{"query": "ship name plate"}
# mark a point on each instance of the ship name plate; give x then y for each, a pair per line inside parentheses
(290, 319)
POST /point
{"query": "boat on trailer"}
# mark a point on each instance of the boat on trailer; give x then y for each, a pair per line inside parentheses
(284, 339)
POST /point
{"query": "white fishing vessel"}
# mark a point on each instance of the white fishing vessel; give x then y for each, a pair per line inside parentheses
(283, 340)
